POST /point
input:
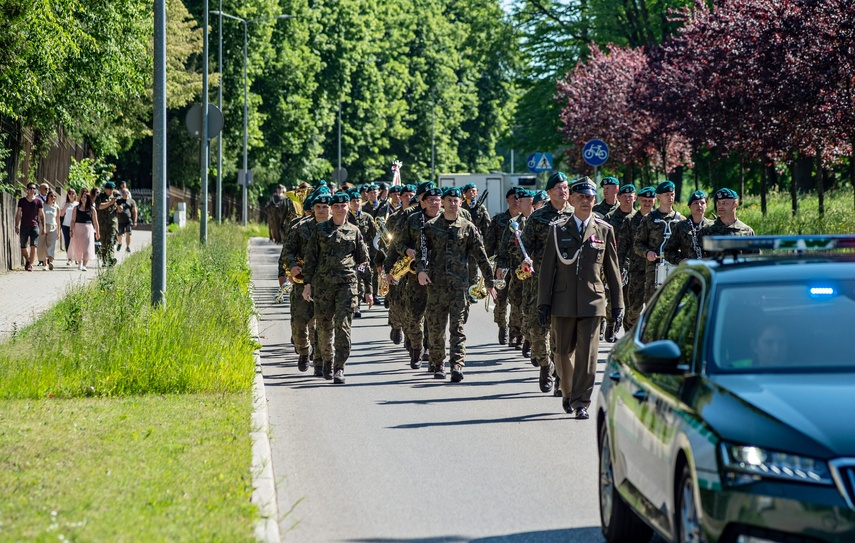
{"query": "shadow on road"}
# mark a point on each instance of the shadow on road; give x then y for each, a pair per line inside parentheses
(570, 535)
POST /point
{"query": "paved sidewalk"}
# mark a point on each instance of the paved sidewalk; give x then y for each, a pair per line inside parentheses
(26, 295)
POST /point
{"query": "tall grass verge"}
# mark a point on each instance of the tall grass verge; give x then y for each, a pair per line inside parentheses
(105, 338)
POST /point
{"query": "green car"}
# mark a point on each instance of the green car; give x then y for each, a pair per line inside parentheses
(724, 415)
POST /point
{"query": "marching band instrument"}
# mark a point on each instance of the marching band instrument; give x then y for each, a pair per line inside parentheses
(478, 290)
(298, 196)
(383, 235)
(525, 269)
(382, 285)
(298, 279)
(406, 264)
(283, 291)
(663, 267)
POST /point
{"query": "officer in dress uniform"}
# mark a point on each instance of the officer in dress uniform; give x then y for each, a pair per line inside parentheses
(449, 243)
(685, 241)
(334, 255)
(610, 191)
(580, 250)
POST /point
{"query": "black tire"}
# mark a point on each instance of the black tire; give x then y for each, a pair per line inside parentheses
(619, 522)
(686, 516)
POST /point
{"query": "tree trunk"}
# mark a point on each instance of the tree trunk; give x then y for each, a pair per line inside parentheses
(820, 184)
(741, 177)
(794, 189)
(763, 192)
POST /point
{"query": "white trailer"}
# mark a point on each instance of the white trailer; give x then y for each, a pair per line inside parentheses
(496, 183)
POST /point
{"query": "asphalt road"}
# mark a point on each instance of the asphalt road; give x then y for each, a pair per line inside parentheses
(397, 456)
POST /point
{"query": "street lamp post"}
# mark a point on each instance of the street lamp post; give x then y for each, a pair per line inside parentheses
(220, 136)
(245, 106)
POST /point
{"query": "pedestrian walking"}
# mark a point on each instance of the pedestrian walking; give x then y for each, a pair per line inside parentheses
(50, 237)
(65, 213)
(580, 250)
(84, 231)
(29, 217)
(127, 219)
(107, 211)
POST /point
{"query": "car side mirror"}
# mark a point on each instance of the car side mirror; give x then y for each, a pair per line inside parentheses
(661, 356)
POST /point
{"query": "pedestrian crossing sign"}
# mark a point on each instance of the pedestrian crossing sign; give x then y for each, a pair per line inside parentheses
(539, 162)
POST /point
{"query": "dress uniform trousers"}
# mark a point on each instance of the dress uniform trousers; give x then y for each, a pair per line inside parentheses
(577, 341)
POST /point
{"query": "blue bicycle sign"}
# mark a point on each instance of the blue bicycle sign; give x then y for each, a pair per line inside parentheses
(595, 153)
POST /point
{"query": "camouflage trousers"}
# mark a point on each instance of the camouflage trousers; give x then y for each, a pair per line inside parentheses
(633, 296)
(649, 281)
(335, 304)
(303, 324)
(500, 312)
(108, 236)
(396, 308)
(449, 307)
(537, 335)
(516, 322)
(414, 300)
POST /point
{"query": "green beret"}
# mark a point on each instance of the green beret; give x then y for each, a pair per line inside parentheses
(109, 185)
(524, 193)
(408, 188)
(467, 186)
(382, 186)
(395, 189)
(423, 187)
(373, 186)
(432, 191)
(626, 189)
(511, 192)
(584, 185)
(340, 197)
(697, 195)
(540, 196)
(726, 194)
(354, 194)
(609, 181)
(454, 192)
(320, 183)
(664, 186)
(363, 188)
(647, 192)
(554, 179)
(321, 199)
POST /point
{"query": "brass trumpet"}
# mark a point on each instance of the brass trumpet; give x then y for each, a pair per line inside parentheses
(525, 269)
(383, 235)
(297, 279)
(478, 290)
(382, 285)
(402, 267)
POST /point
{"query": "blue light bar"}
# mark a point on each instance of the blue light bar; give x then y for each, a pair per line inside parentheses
(822, 292)
(778, 243)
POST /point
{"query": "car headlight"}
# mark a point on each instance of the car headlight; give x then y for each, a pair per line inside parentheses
(745, 464)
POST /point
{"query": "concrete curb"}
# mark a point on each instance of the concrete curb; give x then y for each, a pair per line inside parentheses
(263, 481)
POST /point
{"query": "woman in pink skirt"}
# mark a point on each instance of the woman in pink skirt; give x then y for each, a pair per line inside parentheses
(84, 231)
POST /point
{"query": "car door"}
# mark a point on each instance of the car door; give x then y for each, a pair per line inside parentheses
(631, 410)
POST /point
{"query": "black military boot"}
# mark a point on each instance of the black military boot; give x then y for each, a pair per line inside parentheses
(610, 333)
(526, 348)
(557, 390)
(439, 371)
(327, 370)
(425, 355)
(456, 373)
(513, 340)
(319, 371)
(408, 344)
(416, 359)
(303, 362)
(396, 336)
(339, 376)
(503, 336)
(546, 378)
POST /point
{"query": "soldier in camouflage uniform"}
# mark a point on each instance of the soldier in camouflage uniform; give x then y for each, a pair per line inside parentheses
(368, 229)
(685, 240)
(395, 304)
(726, 203)
(534, 238)
(616, 217)
(633, 263)
(450, 241)
(108, 222)
(498, 226)
(609, 203)
(414, 295)
(509, 257)
(286, 213)
(293, 258)
(649, 243)
(480, 218)
(335, 252)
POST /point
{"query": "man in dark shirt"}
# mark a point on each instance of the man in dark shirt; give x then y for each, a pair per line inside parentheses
(29, 216)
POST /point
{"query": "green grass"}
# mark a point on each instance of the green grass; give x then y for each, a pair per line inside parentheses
(257, 230)
(124, 422)
(147, 468)
(839, 216)
(107, 339)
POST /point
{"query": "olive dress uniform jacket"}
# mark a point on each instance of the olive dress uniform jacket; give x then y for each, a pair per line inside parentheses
(574, 287)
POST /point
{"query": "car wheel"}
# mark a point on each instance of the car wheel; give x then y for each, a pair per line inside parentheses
(620, 523)
(688, 519)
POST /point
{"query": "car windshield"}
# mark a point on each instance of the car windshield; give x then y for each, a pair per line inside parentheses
(789, 327)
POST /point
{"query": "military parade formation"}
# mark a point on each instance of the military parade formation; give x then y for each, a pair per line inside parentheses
(564, 271)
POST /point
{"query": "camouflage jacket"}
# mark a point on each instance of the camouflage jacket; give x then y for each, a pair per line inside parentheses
(366, 225)
(480, 217)
(450, 244)
(685, 241)
(537, 229)
(334, 253)
(508, 253)
(615, 217)
(296, 240)
(627, 258)
(718, 228)
(408, 236)
(109, 215)
(287, 211)
(603, 209)
(494, 233)
(651, 233)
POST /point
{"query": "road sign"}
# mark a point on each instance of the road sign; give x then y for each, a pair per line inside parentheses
(539, 162)
(595, 153)
(339, 175)
(244, 174)
(193, 121)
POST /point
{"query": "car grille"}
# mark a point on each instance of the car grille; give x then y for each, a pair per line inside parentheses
(843, 472)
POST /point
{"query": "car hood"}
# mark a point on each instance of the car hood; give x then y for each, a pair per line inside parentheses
(798, 413)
